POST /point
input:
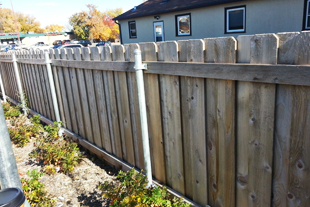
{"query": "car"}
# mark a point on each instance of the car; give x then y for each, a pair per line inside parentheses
(57, 46)
(57, 42)
(66, 42)
(103, 43)
(40, 47)
(70, 46)
(85, 43)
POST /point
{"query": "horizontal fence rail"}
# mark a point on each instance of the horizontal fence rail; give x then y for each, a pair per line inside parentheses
(228, 119)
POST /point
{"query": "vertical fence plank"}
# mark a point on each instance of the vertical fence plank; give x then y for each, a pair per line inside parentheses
(123, 107)
(291, 175)
(84, 97)
(92, 97)
(255, 128)
(171, 116)
(64, 96)
(101, 104)
(105, 103)
(55, 54)
(221, 125)
(193, 125)
(43, 86)
(109, 87)
(69, 93)
(75, 92)
(35, 84)
(36, 72)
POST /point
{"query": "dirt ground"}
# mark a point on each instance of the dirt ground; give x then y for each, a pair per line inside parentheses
(77, 188)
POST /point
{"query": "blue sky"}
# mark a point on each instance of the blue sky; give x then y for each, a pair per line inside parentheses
(58, 11)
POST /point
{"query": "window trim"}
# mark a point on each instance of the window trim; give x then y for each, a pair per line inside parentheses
(227, 10)
(129, 23)
(177, 25)
(306, 11)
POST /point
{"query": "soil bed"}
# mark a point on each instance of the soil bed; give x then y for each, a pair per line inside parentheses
(77, 188)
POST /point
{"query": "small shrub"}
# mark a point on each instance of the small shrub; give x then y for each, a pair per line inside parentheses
(53, 130)
(132, 192)
(21, 130)
(35, 191)
(58, 154)
(10, 111)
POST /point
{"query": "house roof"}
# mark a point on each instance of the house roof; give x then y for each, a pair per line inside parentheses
(155, 7)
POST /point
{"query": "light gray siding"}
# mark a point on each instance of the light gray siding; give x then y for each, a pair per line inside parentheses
(262, 16)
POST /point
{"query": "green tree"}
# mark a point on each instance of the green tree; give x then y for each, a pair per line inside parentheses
(80, 27)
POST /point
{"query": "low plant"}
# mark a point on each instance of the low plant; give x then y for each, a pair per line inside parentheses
(21, 130)
(35, 191)
(132, 191)
(10, 111)
(53, 130)
(58, 154)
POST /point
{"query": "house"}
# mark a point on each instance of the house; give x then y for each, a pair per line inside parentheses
(164, 20)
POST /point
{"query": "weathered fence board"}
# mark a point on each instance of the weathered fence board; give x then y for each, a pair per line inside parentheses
(221, 127)
(255, 121)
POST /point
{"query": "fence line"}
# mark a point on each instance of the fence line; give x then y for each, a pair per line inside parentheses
(228, 119)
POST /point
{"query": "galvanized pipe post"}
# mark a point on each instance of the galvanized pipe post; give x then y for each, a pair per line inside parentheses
(19, 83)
(1, 85)
(143, 117)
(52, 85)
(9, 176)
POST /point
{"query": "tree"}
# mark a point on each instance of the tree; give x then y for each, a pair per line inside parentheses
(54, 28)
(94, 24)
(25, 23)
(78, 22)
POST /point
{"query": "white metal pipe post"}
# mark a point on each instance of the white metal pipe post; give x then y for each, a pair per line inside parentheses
(19, 83)
(143, 117)
(1, 85)
(52, 85)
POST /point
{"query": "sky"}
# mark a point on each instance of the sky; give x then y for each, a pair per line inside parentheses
(58, 11)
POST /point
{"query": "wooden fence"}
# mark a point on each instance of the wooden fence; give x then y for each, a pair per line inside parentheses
(229, 120)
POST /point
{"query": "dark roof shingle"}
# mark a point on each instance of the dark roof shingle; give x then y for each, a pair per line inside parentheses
(155, 7)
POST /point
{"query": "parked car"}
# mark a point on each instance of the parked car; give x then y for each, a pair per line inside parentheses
(85, 43)
(70, 46)
(57, 42)
(57, 46)
(40, 47)
(66, 42)
(104, 43)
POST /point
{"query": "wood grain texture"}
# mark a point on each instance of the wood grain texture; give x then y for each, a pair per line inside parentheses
(255, 129)
(149, 51)
(123, 106)
(214, 52)
(291, 156)
(220, 101)
(244, 48)
(193, 127)
(287, 47)
(69, 92)
(171, 120)
(35, 87)
(302, 56)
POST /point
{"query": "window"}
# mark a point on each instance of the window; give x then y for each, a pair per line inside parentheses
(235, 19)
(132, 29)
(307, 15)
(183, 25)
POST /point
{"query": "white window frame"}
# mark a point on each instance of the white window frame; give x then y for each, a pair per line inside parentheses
(307, 15)
(227, 19)
(130, 30)
(178, 26)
